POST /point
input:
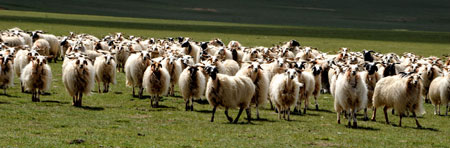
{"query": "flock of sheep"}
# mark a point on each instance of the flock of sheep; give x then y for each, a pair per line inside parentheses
(229, 76)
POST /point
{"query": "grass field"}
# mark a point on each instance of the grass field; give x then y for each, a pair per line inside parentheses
(118, 119)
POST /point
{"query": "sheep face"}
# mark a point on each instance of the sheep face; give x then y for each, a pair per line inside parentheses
(280, 62)
(371, 68)
(81, 62)
(414, 80)
(216, 42)
(204, 46)
(294, 43)
(344, 50)
(186, 44)
(292, 73)
(108, 58)
(317, 70)
(64, 42)
(41, 60)
(155, 66)
(185, 59)
(145, 55)
(254, 67)
(35, 35)
(212, 72)
(352, 69)
(5, 59)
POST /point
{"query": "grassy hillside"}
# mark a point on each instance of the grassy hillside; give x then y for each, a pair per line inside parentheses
(430, 15)
(116, 119)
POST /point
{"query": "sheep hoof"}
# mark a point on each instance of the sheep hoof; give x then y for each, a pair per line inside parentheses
(373, 119)
(231, 119)
(317, 107)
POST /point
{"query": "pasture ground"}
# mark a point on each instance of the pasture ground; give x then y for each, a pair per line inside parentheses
(118, 119)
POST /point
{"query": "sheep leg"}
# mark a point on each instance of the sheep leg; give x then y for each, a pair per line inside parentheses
(271, 105)
(187, 105)
(365, 114)
(417, 121)
(386, 114)
(151, 101)
(400, 121)
(435, 110)
(157, 101)
(257, 110)
(239, 114)
(355, 122)
(80, 99)
(306, 106)
(393, 111)
(349, 123)
(32, 95)
(289, 113)
(192, 104)
(249, 115)
(279, 115)
(38, 96)
(317, 104)
(73, 100)
(213, 112)
(284, 114)
(228, 117)
(374, 114)
(99, 88)
(21, 86)
(439, 109)
(141, 90)
(446, 110)
(339, 117)
(133, 92)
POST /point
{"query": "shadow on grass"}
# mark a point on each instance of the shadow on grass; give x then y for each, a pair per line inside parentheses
(201, 101)
(415, 127)
(54, 101)
(263, 120)
(9, 96)
(323, 110)
(204, 111)
(118, 92)
(363, 128)
(1, 102)
(92, 108)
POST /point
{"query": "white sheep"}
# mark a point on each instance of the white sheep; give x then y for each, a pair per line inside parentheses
(276, 67)
(192, 83)
(105, 71)
(228, 67)
(23, 57)
(400, 92)
(284, 91)
(11, 41)
(156, 81)
(52, 40)
(78, 79)
(229, 92)
(122, 54)
(36, 77)
(439, 93)
(261, 82)
(317, 73)
(371, 77)
(173, 66)
(134, 70)
(192, 49)
(42, 47)
(307, 79)
(350, 94)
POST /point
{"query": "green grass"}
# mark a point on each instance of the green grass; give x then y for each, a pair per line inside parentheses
(118, 119)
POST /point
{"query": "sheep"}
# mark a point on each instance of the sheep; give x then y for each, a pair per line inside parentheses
(228, 67)
(186, 61)
(439, 93)
(78, 79)
(308, 80)
(317, 73)
(261, 82)
(42, 47)
(23, 57)
(429, 73)
(36, 77)
(6, 72)
(52, 40)
(135, 67)
(192, 49)
(229, 92)
(192, 83)
(122, 54)
(350, 94)
(156, 81)
(368, 56)
(371, 77)
(11, 41)
(284, 91)
(253, 55)
(105, 71)
(276, 67)
(400, 92)
(224, 54)
(173, 66)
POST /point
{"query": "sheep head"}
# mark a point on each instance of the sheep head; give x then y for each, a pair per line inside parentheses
(317, 70)
(156, 65)
(371, 67)
(40, 60)
(291, 73)
(81, 63)
(294, 43)
(5, 59)
(108, 58)
(212, 72)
